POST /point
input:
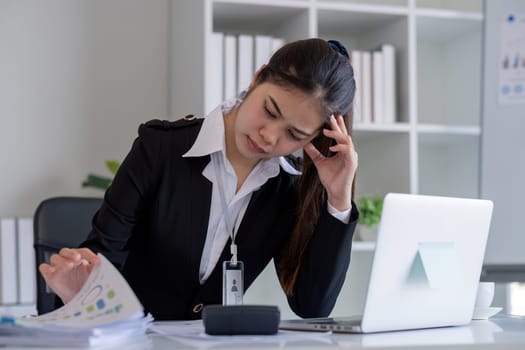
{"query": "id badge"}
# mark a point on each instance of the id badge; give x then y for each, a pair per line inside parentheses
(232, 283)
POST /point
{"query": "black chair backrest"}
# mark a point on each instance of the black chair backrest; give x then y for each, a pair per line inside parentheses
(59, 222)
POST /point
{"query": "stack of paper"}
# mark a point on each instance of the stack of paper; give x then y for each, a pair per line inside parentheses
(105, 311)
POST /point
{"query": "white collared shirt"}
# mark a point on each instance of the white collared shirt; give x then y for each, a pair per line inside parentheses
(211, 141)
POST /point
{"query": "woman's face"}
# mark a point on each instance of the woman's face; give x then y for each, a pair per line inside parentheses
(275, 121)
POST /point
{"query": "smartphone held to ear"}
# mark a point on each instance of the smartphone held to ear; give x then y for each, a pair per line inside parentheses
(241, 319)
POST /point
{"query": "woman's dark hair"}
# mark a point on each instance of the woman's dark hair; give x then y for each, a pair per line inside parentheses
(321, 69)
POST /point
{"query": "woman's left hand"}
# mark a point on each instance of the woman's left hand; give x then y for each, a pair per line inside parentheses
(338, 171)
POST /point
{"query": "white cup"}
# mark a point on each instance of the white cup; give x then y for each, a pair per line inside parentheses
(485, 294)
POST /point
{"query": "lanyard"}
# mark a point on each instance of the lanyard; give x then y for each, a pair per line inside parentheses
(225, 212)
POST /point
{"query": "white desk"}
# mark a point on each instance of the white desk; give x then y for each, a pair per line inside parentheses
(500, 332)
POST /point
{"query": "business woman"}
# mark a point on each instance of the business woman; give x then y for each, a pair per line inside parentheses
(194, 193)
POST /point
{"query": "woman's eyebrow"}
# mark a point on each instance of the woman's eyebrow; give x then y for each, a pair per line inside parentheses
(276, 106)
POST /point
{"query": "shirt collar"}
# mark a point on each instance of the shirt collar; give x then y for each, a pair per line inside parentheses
(211, 139)
(211, 135)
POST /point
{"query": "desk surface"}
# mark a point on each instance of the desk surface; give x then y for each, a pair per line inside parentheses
(500, 332)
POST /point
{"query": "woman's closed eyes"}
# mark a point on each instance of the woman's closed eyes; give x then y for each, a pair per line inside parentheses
(272, 115)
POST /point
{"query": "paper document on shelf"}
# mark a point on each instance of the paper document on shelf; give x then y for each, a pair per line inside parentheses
(104, 298)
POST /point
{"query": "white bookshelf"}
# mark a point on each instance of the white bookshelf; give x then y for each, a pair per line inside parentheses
(433, 148)
(438, 71)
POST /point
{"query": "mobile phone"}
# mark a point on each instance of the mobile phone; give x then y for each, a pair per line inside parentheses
(323, 144)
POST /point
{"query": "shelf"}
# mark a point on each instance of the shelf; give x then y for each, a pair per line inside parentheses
(381, 128)
(449, 14)
(265, 3)
(363, 8)
(363, 246)
(261, 17)
(369, 3)
(439, 130)
(472, 6)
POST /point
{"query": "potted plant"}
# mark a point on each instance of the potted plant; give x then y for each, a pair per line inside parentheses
(370, 208)
(102, 182)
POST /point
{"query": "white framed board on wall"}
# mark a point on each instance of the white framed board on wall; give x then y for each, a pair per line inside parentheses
(503, 141)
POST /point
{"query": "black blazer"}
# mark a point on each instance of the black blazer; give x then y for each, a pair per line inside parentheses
(153, 222)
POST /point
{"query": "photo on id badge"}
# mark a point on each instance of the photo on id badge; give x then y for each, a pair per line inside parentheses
(233, 286)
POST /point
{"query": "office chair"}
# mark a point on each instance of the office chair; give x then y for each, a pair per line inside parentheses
(59, 222)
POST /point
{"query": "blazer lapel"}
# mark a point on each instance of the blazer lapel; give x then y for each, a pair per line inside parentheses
(199, 210)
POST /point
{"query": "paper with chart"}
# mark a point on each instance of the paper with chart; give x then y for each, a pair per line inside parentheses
(105, 298)
(512, 59)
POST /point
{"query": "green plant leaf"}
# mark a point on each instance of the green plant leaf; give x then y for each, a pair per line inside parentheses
(97, 181)
(370, 208)
(102, 182)
(112, 166)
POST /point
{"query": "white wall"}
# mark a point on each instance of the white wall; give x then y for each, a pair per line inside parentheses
(76, 79)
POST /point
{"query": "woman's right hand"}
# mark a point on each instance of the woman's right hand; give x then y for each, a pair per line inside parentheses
(68, 270)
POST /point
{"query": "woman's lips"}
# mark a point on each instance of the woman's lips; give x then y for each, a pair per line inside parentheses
(253, 146)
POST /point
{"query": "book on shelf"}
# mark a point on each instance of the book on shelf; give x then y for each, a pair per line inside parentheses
(104, 312)
(214, 72)
(378, 84)
(8, 262)
(245, 61)
(263, 50)
(366, 87)
(233, 63)
(389, 83)
(230, 66)
(26, 261)
(355, 60)
(375, 76)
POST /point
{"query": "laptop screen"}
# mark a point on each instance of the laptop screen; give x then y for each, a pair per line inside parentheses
(427, 263)
(426, 266)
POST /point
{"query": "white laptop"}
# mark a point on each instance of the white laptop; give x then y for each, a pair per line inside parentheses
(426, 267)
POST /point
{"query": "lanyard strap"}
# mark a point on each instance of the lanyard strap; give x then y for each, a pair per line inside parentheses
(226, 213)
